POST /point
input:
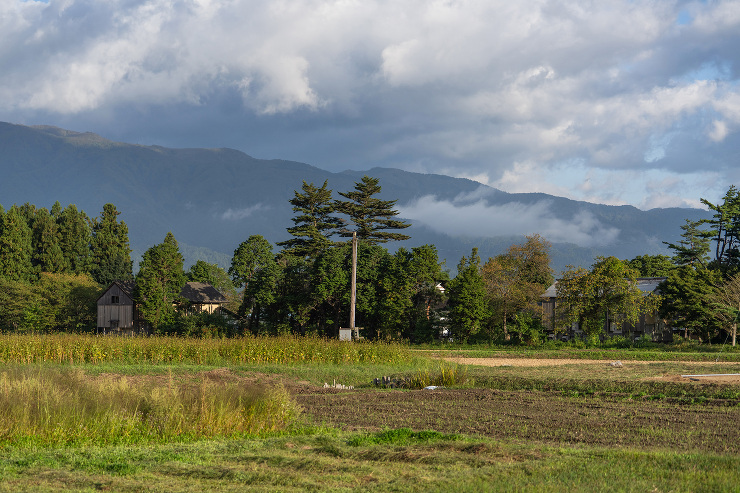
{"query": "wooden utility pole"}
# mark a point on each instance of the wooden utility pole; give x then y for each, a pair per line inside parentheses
(352, 333)
(353, 296)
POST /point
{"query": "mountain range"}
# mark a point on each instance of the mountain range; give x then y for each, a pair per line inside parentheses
(212, 199)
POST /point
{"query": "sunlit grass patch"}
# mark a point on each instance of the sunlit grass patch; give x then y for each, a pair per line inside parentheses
(61, 406)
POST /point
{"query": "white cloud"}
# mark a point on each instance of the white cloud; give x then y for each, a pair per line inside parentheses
(467, 215)
(243, 213)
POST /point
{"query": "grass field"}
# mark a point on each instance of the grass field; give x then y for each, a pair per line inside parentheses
(272, 425)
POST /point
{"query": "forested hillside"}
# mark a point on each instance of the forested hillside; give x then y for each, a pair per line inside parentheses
(212, 199)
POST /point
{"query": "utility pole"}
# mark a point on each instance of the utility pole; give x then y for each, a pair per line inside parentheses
(352, 333)
(353, 296)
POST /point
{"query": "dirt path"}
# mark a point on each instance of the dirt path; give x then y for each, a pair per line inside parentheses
(532, 362)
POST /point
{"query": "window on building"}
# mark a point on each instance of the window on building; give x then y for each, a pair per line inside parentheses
(115, 300)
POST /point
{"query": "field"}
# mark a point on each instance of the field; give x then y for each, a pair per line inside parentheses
(217, 420)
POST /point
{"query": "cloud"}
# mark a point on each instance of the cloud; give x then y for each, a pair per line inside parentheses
(472, 215)
(239, 214)
(470, 87)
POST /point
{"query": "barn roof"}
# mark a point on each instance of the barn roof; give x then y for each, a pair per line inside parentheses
(126, 286)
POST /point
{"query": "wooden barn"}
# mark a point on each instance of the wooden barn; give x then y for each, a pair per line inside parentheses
(118, 313)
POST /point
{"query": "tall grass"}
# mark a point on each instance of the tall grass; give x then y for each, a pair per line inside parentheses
(86, 349)
(64, 406)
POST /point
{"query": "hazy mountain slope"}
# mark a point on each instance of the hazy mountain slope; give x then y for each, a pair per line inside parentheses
(212, 199)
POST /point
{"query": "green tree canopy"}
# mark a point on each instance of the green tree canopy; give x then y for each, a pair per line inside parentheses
(515, 280)
(467, 298)
(688, 294)
(651, 265)
(370, 216)
(16, 250)
(110, 250)
(159, 282)
(314, 223)
(609, 290)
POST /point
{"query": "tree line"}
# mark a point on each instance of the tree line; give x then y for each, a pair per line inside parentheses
(53, 264)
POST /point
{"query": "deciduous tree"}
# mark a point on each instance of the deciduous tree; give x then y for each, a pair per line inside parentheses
(608, 292)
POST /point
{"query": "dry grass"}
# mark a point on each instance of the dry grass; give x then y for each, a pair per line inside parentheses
(64, 406)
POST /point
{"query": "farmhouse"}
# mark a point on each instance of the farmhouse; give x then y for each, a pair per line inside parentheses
(649, 325)
(118, 313)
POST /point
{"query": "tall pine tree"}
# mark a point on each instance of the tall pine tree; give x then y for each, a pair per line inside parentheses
(47, 254)
(159, 282)
(314, 223)
(15, 246)
(370, 216)
(75, 238)
(110, 251)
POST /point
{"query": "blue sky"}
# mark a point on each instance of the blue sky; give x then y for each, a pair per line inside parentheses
(610, 101)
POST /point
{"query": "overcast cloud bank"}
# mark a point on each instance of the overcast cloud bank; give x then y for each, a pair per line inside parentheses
(613, 101)
(468, 215)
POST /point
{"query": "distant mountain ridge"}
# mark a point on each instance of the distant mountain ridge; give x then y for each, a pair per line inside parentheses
(212, 199)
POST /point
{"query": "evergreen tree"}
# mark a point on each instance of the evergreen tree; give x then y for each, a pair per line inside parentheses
(15, 246)
(725, 226)
(467, 293)
(687, 295)
(159, 282)
(314, 223)
(110, 251)
(47, 254)
(75, 239)
(693, 249)
(370, 216)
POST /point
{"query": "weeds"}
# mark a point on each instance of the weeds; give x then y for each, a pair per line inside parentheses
(44, 406)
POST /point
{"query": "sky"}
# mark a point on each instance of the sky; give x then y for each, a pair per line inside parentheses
(607, 101)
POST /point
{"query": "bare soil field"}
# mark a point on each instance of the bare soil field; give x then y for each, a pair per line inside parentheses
(547, 417)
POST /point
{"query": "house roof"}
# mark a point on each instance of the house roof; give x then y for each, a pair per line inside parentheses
(201, 292)
(646, 285)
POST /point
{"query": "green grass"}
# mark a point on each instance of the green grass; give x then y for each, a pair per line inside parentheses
(345, 462)
(622, 350)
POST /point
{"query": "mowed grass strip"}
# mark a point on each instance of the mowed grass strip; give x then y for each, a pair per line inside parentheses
(340, 462)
